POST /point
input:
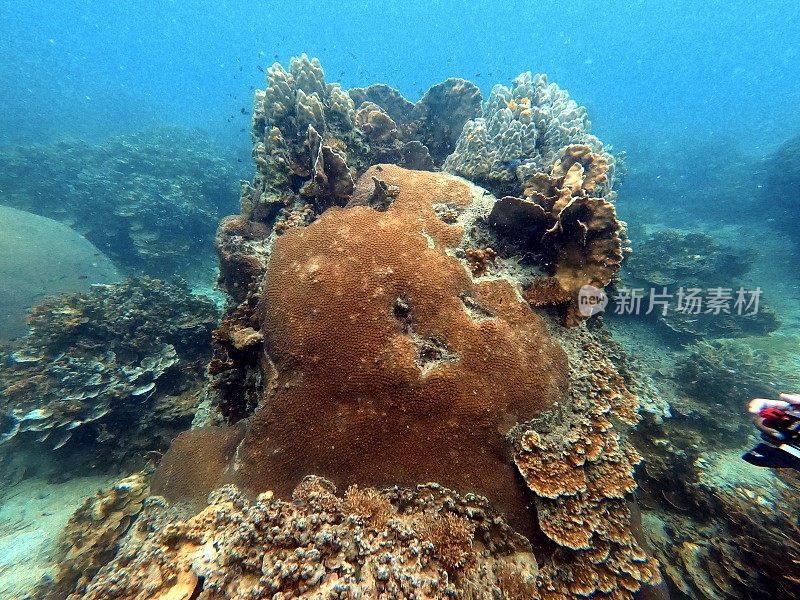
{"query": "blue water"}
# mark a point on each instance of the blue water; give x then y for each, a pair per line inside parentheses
(649, 71)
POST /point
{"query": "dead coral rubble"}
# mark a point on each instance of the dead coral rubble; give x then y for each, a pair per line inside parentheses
(109, 364)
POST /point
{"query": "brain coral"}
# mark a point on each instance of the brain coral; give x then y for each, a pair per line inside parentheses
(391, 365)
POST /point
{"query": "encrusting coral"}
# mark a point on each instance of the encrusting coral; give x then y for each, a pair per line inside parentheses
(107, 365)
(581, 472)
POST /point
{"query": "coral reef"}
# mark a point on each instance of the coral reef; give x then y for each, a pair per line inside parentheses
(312, 139)
(695, 261)
(574, 235)
(521, 132)
(28, 272)
(421, 340)
(380, 338)
(721, 528)
(724, 372)
(672, 257)
(427, 542)
(91, 537)
(101, 368)
(150, 201)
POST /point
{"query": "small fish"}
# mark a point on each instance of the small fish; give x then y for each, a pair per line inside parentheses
(83, 277)
(260, 68)
(244, 111)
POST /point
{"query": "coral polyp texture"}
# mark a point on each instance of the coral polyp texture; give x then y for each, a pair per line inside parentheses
(107, 365)
(383, 341)
(390, 364)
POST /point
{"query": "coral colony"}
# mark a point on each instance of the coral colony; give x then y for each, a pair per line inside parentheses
(403, 398)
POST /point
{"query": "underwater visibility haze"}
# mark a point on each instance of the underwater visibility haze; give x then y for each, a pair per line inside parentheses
(343, 300)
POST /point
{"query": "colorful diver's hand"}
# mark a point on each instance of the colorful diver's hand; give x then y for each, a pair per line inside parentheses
(766, 411)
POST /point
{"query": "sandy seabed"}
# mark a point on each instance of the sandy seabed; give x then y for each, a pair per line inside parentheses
(32, 515)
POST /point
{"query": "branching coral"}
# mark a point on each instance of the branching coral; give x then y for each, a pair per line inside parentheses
(315, 547)
(723, 372)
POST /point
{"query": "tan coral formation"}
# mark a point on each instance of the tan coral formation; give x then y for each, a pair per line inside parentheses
(581, 472)
(380, 339)
(92, 535)
(432, 544)
(562, 220)
(375, 333)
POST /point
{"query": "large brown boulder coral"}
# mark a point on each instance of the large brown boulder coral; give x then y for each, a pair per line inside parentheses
(389, 363)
